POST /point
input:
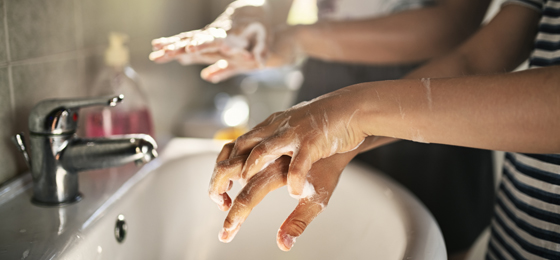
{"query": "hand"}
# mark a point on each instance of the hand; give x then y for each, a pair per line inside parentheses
(306, 132)
(238, 41)
(321, 182)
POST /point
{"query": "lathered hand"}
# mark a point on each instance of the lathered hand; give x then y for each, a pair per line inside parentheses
(321, 182)
(306, 132)
(236, 42)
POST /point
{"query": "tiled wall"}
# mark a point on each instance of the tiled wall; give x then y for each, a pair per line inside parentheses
(54, 49)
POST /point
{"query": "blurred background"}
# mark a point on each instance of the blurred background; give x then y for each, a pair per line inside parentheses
(55, 49)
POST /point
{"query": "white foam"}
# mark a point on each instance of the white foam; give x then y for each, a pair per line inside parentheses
(350, 119)
(426, 83)
(308, 191)
(417, 137)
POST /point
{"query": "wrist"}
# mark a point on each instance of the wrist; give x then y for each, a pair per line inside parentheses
(364, 105)
(285, 49)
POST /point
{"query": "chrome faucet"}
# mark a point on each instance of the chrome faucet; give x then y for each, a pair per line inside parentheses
(57, 154)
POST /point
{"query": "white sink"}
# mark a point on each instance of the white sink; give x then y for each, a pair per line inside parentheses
(169, 216)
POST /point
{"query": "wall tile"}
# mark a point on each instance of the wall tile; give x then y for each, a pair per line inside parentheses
(35, 82)
(139, 18)
(3, 49)
(8, 159)
(39, 28)
(169, 88)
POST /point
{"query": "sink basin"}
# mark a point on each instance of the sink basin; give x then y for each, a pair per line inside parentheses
(168, 215)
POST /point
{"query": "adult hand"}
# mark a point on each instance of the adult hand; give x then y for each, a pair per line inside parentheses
(322, 180)
(306, 132)
(239, 41)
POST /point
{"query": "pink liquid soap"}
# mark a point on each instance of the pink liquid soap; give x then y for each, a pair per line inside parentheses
(113, 122)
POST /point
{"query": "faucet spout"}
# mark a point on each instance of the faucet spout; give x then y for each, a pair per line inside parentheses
(83, 154)
(57, 154)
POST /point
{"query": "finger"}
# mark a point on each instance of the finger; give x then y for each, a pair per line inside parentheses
(245, 143)
(299, 169)
(199, 58)
(251, 195)
(297, 222)
(219, 71)
(266, 152)
(224, 173)
(169, 52)
(203, 43)
(164, 41)
(237, 53)
(225, 152)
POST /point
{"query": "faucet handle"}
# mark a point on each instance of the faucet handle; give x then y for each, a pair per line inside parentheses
(60, 116)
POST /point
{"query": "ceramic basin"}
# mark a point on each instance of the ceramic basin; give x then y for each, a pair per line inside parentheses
(168, 215)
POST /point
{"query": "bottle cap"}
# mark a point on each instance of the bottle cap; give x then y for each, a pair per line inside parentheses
(117, 53)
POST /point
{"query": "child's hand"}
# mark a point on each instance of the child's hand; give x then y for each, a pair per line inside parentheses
(320, 184)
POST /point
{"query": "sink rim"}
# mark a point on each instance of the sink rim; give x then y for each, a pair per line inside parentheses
(80, 216)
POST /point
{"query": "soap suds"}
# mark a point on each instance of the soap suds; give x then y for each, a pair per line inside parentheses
(334, 147)
(308, 191)
(284, 125)
(426, 83)
(313, 122)
(288, 240)
(417, 137)
(299, 105)
(267, 164)
(229, 232)
(363, 140)
(401, 111)
(350, 119)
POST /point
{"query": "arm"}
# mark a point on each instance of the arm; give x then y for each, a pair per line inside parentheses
(469, 59)
(492, 112)
(501, 46)
(404, 37)
(509, 112)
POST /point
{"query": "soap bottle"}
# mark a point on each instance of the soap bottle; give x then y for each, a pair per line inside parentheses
(132, 115)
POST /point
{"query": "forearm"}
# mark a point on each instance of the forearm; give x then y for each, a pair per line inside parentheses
(403, 37)
(497, 48)
(510, 112)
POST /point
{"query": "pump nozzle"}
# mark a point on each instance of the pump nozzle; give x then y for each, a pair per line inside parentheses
(117, 54)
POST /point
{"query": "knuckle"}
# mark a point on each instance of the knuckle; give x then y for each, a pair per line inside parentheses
(228, 222)
(298, 226)
(228, 146)
(258, 150)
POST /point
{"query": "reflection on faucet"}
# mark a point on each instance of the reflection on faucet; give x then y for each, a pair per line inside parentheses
(62, 218)
(57, 155)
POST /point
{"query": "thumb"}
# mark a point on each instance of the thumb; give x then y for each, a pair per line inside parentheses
(297, 222)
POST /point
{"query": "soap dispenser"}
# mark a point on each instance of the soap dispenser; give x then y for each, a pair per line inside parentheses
(133, 115)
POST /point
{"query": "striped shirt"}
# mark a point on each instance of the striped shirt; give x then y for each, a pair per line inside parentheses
(526, 223)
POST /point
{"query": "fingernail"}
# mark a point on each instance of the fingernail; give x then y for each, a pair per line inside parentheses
(156, 54)
(223, 236)
(218, 198)
(288, 241)
(293, 194)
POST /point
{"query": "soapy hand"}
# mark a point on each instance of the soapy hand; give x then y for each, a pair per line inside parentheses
(306, 132)
(321, 182)
(236, 42)
(240, 40)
